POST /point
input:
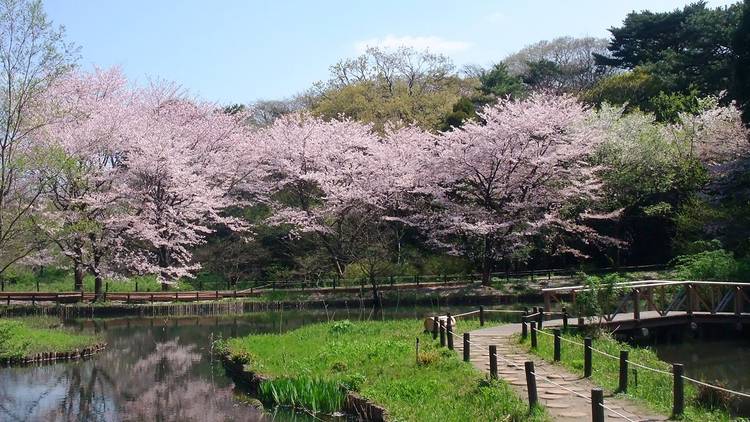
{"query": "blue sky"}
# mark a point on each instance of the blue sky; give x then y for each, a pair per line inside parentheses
(240, 51)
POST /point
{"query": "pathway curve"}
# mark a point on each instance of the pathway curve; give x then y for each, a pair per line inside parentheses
(564, 394)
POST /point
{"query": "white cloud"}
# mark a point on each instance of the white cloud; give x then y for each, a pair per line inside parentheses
(432, 43)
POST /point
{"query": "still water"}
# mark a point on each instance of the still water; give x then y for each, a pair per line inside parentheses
(717, 354)
(155, 370)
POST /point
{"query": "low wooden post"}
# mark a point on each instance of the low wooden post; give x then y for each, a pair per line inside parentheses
(636, 304)
(467, 348)
(196, 296)
(217, 295)
(128, 300)
(442, 333)
(565, 318)
(449, 331)
(689, 292)
(597, 405)
(556, 354)
(678, 395)
(524, 327)
(531, 383)
(738, 303)
(435, 327)
(417, 353)
(533, 335)
(587, 357)
(541, 318)
(623, 385)
(493, 362)
(481, 316)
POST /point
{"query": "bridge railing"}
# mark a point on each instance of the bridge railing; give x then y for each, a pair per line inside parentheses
(662, 296)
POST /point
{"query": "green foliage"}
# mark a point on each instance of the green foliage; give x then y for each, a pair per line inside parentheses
(500, 83)
(682, 44)
(599, 298)
(652, 389)
(716, 264)
(463, 110)
(23, 337)
(377, 358)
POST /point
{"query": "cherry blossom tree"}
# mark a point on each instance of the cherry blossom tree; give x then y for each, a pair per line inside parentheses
(83, 202)
(185, 165)
(523, 173)
(318, 168)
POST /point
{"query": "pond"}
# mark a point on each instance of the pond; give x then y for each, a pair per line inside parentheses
(715, 353)
(157, 370)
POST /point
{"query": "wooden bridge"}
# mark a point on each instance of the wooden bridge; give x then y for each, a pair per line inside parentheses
(655, 302)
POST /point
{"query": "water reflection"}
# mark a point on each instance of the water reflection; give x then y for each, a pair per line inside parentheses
(153, 370)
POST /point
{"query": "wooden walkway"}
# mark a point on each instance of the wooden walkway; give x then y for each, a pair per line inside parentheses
(564, 394)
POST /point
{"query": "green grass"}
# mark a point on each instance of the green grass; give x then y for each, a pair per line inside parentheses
(378, 360)
(653, 390)
(22, 337)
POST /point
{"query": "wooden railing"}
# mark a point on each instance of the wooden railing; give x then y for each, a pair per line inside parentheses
(662, 296)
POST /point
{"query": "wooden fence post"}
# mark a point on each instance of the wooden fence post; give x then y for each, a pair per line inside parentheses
(623, 385)
(435, 327)
(524, 328)
(533, 335)
(442, 333)
(449, 330)
(556, 353)
(481, 316)
(467, 348)
(565, 318)
(587, 357)
(636, 304)
(531, 383)
(597, 405)
(678, 394)
(493, 362)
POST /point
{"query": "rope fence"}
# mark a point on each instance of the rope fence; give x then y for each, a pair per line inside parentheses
(623, 371)
(677, 372)
(531, 385)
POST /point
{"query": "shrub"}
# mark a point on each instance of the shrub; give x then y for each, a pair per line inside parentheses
(711, 265)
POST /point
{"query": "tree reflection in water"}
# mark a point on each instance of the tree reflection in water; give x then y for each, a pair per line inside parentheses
(146, 374)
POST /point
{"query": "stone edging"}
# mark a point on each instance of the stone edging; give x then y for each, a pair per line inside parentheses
(354, 404)
(50, 357)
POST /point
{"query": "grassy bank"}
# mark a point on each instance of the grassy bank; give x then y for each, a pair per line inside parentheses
(23, 337)
(377, 359)
(653, 389)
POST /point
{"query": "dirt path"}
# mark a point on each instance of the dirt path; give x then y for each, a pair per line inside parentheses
(564, 394)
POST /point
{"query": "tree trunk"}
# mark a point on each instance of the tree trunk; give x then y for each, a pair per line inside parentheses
(78, 277)
(98, 294)
(486, 261)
